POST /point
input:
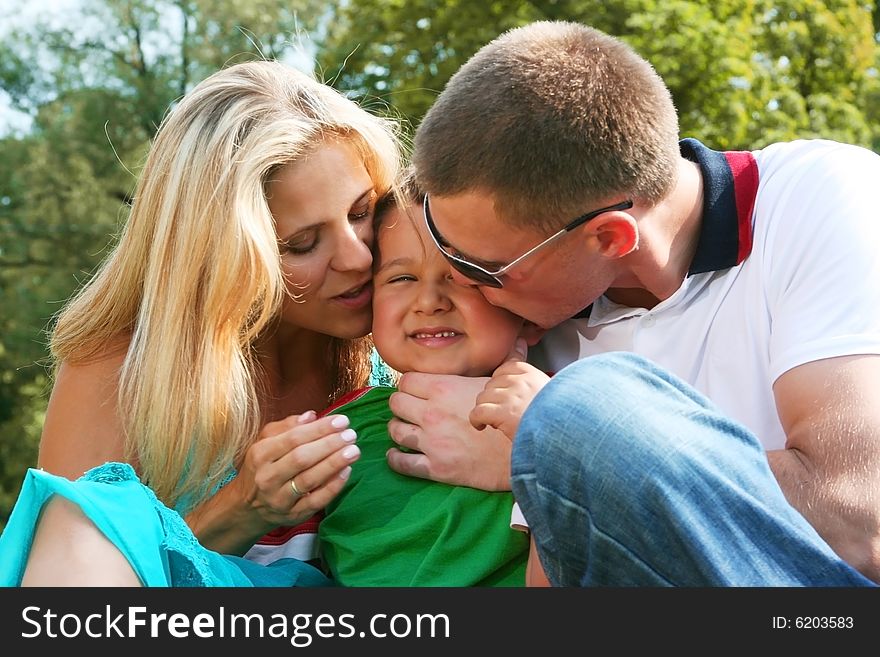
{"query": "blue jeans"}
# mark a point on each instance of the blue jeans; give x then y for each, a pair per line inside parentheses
(628, 476)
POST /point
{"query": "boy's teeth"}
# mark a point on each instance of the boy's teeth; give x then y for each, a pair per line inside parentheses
(440, 334)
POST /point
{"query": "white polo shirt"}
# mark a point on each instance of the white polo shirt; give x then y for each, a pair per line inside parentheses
(787, 271)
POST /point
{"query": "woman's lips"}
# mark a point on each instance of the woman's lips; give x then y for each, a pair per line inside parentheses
(356, 297)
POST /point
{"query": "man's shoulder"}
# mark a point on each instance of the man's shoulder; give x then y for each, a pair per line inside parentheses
(827, 173)
(807, 151)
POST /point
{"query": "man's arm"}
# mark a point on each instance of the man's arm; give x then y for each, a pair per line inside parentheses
(431, 419)
(830, 467)
(462, 428)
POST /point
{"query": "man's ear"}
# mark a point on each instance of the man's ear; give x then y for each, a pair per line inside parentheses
(531, 332)
(617, 233)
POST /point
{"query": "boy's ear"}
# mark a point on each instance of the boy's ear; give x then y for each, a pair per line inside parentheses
(532, 333)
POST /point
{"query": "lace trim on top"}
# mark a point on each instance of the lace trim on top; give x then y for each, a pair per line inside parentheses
(187, 562)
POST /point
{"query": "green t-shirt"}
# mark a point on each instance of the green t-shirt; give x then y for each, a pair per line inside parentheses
(387, 529)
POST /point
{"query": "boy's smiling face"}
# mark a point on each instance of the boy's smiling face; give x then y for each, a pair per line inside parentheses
(422, 320)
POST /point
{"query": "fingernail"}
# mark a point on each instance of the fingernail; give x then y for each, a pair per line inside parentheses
(351, 452)
(339, 421)
(346, 472)
(308, 416)
(349, 435)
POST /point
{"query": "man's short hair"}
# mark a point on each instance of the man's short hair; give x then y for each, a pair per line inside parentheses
(552, 119)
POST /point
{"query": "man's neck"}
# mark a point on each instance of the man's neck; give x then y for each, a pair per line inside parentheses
(668, 237)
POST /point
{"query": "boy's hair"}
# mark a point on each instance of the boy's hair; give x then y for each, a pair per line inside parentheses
(403, 193)
(552, 119)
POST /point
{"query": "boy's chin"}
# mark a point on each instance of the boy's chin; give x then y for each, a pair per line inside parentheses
(439, 366)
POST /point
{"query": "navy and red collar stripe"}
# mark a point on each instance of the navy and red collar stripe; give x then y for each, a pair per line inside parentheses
(730, 185)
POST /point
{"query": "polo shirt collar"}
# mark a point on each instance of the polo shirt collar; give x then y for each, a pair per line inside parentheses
(730, 185)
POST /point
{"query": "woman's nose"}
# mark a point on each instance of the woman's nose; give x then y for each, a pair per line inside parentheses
(354, 252)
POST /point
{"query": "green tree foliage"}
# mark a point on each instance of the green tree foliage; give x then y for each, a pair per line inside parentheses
(817, 66)
(400, 53)
(743, 73)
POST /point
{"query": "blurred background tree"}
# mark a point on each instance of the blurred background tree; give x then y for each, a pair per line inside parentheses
(743, 73)
(95, 83)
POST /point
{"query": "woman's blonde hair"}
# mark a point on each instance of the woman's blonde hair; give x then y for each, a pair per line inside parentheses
(196, 275)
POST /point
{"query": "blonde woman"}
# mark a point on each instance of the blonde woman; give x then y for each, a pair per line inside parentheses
(236, 302)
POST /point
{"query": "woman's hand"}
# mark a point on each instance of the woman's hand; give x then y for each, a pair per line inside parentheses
(295, 467)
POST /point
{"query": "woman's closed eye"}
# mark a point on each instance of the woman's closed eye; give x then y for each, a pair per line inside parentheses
(360, 215)
(363, 208)
(301, 244)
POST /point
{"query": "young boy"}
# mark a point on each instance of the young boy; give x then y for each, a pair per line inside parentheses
(386, 529)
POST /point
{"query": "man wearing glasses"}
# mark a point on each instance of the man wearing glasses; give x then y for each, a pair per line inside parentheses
(713, 321)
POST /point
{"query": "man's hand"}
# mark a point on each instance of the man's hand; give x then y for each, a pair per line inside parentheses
(431, 419)
(508, 393)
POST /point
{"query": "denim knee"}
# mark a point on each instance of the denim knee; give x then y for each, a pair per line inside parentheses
(627, 475)
(599, 417)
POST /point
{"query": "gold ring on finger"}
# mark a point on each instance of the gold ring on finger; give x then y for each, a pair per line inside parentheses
(296, 491)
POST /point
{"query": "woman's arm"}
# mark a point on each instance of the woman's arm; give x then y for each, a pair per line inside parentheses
(83, 430)
(82, 427)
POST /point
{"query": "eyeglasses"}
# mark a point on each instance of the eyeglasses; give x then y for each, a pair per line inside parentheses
(483, 276)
